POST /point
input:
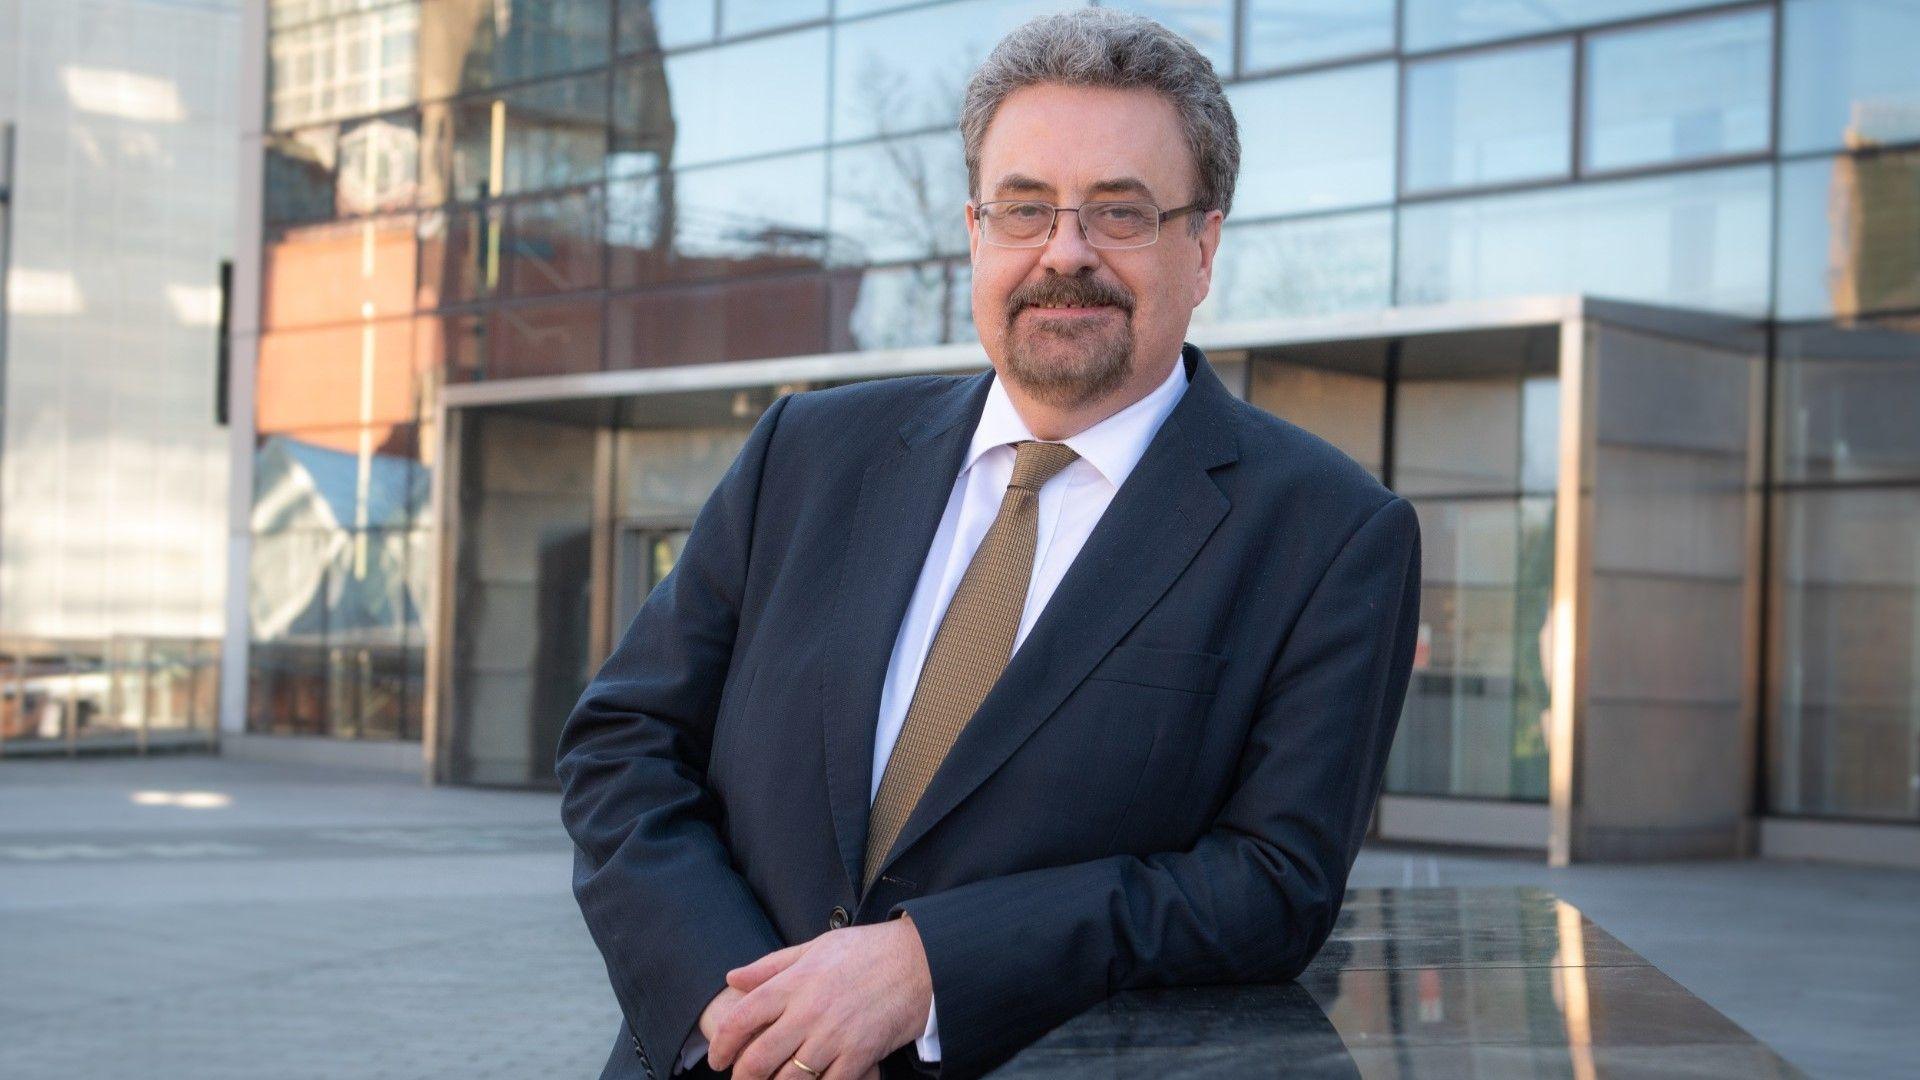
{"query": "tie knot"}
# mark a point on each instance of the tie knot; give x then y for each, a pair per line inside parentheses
(1034, 463)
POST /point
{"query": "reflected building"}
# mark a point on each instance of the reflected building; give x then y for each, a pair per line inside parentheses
(1623, 294)
(118, 161)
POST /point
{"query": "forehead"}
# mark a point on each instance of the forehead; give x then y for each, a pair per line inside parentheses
(1073, 140)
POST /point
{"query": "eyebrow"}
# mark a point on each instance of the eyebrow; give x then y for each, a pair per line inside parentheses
(1022, 184)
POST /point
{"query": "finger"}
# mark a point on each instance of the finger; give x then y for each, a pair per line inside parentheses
(770, 1051)
(752, 975)
(819, 1054)
(750, 1016)
(849, 1065)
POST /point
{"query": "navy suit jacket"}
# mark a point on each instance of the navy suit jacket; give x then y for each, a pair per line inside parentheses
(1167, 785)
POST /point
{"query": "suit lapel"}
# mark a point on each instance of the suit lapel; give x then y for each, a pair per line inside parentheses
(902, 498)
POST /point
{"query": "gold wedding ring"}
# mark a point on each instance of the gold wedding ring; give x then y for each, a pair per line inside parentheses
(804, 1067)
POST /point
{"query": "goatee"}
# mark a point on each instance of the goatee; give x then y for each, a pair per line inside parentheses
(1069, 361)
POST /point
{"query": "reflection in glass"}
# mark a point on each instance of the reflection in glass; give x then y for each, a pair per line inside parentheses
(643, 123)
(1315, 142)
(902, 306)
(1476, 442)
(529, 138)
(341, 478)
(543, 339)
(474, 44)
(755, 217)
(1281, 33)
(1489, 117)
(300, 175)
(1848, 74)
(1208, 24)
(747, 16)
(647, 25)
(1475, 721)
(347, 66)
(553, 245)
(337, 272)
(1434, 24)
(1847, 402)
(907, 72)
(757, 97)
(1847, 235)
(336, 375)
(1318, 265)
(1846, 717)
(899, 199)
(1675, 91)
(460, 253)
(1696, 239)
(730, 320)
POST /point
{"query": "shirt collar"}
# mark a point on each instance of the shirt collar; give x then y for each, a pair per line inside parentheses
(1113, 446)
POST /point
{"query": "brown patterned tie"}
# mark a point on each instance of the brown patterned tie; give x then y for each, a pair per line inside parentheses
(972, 646)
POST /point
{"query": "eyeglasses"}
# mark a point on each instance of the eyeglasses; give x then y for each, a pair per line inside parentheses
(1016, 223)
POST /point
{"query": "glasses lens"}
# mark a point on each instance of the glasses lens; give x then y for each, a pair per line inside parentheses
(1119, 222)
(1017, 221)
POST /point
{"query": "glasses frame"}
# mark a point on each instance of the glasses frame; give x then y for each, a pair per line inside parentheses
(1161, 218)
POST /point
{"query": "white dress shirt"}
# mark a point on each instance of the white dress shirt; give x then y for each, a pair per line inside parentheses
(1070, 504)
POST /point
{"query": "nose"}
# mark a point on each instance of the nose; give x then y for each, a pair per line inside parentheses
(1067, 251)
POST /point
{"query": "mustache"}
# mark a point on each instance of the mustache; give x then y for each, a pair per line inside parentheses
(1068, 292)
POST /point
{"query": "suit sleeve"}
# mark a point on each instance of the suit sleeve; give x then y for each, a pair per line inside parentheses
(1256, 896)
(651, 872)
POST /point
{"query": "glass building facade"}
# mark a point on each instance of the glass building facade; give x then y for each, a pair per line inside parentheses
(463, 192)
(118, 161)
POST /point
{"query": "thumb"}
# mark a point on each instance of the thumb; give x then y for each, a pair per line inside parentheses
(746, 979)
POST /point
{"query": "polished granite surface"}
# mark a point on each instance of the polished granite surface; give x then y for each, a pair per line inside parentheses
(1423, 983)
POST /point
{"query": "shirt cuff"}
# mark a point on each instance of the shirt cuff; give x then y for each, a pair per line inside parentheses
(691, 1053)
(928, 1044)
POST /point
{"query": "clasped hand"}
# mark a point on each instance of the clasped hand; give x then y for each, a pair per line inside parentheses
(840, 1003)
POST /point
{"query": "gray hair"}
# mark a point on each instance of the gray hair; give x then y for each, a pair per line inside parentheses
(1106, 48)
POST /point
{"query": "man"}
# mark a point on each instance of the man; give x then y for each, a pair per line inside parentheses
(973, 700)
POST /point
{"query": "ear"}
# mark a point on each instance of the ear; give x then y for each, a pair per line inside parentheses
(973, 234)
(1208, 243)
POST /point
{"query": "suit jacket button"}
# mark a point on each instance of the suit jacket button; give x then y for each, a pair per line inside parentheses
(838, 920)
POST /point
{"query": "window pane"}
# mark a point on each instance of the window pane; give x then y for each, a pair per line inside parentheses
(1285, 32)
(753, 98)
(1208, 24)
(543, 339)
(553, 245)
(338, 272)
(1699, 239)
(902, 306)
(906, 72)
(746, 16)
(711, 321)
(1847, 402)
(1846, 723)
(1488, 118)
(727, 220)
(899, 199)
(1850, 78)
(473, 44)
(348, 477)
(664, 24)
(336, 375)
(551, 135)
(342, 67)
(1849, 235)
(1315, 142)
(1692, 89)
(1435, 24)
(1311, 267)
